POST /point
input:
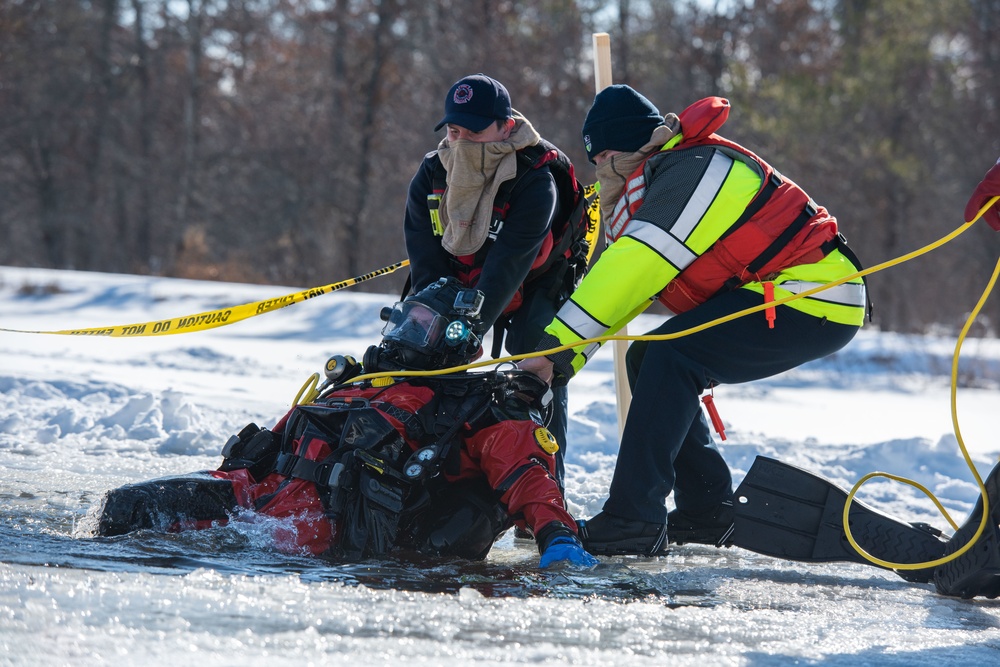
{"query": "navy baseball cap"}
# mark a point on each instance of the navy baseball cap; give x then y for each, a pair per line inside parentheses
(474, 102)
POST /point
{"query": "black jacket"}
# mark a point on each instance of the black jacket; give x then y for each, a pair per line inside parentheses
(533, 205)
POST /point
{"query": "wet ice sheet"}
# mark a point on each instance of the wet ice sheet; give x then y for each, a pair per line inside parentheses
(693, 609)
(78, 417)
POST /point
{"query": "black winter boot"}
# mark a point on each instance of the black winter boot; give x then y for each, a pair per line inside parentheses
(711, 526)
(609, 535)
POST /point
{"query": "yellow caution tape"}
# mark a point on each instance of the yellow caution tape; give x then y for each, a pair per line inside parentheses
(216, 318)
(592, 194)
(219, 318)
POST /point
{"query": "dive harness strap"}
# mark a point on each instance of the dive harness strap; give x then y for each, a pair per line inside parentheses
(441, 419)
(326, 473)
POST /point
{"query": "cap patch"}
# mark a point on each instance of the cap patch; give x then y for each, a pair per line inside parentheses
(463, 94)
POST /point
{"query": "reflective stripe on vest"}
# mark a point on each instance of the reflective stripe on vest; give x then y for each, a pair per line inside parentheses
(671, 244)
(664, 243)
(848, 294)
(635, 190)
(580, 322)
(704, 195)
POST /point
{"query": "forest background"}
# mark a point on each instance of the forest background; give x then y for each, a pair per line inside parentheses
(272, 141)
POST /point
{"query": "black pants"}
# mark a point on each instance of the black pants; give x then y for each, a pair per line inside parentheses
(523, 333)
(666, 445)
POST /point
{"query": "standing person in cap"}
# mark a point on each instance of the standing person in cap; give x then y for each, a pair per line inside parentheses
(483, 208)
(709, 229)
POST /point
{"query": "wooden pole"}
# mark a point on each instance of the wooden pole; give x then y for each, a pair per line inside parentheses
(602, 60)
(623, 395)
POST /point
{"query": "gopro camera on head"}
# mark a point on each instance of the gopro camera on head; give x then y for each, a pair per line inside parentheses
(469, 302)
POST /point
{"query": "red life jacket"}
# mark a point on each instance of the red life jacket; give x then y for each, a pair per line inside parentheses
(780, 228)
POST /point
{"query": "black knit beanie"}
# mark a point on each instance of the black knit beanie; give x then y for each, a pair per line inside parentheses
(620, 119)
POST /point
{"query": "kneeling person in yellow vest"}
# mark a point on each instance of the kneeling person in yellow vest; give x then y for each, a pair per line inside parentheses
(709, 229)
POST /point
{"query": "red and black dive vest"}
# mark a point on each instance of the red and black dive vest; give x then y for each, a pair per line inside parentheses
(569, 243)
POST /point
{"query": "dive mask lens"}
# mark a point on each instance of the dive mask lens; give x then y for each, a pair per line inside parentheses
(414, 324)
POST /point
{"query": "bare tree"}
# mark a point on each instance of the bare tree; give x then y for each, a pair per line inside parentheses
(273, 140)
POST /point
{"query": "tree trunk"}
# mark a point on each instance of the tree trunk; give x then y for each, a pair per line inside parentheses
(144, 257)
(190, 132)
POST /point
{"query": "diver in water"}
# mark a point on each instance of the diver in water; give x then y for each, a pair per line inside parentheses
(439, 465)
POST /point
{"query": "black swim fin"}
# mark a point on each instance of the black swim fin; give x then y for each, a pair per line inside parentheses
(787, 512)
(977, 571)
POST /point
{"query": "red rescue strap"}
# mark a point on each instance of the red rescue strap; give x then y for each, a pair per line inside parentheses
(713, 414)
(769, 313)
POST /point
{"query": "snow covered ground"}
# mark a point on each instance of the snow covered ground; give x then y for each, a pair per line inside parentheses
(82, 415)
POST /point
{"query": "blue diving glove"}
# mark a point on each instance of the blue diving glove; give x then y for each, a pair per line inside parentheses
(566, 547)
